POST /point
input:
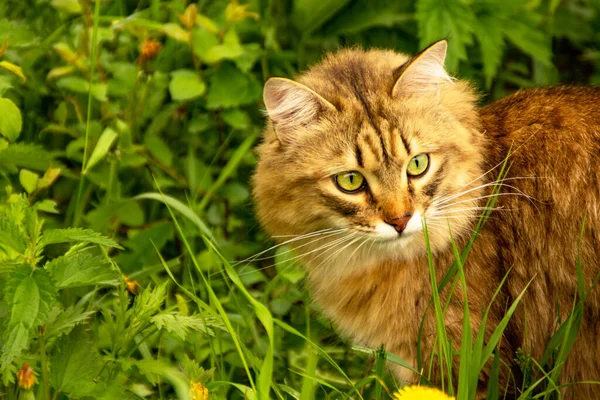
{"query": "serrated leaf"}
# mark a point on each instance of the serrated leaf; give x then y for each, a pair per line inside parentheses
(75, 365)
(10, 120)
(180, 324)
(28, 180)
(53, 236)
(489, 34)
(82, 269)
(26, 155)
(11, 235)
(29, 295)
(148, 302)
(104, 143)
(186, 85)
(61, 321)
(448, 19)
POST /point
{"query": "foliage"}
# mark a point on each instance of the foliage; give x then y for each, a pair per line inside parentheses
(119, 118)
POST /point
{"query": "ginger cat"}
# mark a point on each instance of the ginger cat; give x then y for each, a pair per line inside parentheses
(367, 145)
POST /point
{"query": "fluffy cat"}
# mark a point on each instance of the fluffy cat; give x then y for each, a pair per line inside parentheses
(366, 145)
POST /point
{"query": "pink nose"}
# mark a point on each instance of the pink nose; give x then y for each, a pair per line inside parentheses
(399, 223)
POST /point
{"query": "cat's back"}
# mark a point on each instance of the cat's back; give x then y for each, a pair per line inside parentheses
(576, 108)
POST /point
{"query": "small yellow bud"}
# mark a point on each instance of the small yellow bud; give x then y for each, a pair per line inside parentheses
(149, 49)
(26, 377)
(132, 285)
(198, 391)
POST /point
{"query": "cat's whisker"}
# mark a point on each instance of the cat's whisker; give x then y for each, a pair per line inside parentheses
(444, 199)
(335, 253)
(300, 237)
(446, 205)
(324, 247)
(318, 238)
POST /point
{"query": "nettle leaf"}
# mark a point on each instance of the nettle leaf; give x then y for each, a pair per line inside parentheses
(230, 87)
(29, 295)
(488, 32)
(12, 238)
(180, 325)
(82, 269)
(148, 302)
(61, 321)
(446, 20)
(10, 120)
(53, 236)
(186, 85)
(26, 155)
(75, 365)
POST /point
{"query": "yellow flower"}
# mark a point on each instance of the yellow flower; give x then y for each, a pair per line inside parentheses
(420, 393)
(149, 49)
(26, 377)
(198, 391)
(132, 285)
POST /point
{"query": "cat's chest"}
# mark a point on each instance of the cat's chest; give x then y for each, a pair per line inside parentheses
(381, 304)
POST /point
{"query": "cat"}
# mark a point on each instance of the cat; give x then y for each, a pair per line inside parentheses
(366, 145)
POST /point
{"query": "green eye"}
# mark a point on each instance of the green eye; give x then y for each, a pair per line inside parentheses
(349, 182)
(418, 165)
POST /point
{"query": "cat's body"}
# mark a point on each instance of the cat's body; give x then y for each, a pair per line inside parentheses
(374, 113)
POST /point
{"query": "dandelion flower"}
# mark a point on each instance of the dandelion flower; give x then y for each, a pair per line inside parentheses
(420, 393)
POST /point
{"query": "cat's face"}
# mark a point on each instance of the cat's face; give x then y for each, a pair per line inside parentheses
(359, 159)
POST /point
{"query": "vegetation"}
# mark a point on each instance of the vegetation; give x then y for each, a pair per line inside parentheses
(126, 131)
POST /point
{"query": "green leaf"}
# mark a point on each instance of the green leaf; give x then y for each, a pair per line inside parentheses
(75, 365)
(180, 324)
(29, 295)
(287, 265)
(11, 235)
(74, 84)
(446, 19)
(82, 269)
(309, 15)
(105, 141)
(229, 50)
(10, 119)
(52, 236)
(159, 149)
(28, 180)
(47, 205)
(186, 85)
(489, 34)
(229, 87)
(203, 41)
(68, 6)
(26, 155)
(62, 321)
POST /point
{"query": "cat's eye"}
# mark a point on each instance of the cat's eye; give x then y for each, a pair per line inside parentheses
(349, 182)
(417, 166)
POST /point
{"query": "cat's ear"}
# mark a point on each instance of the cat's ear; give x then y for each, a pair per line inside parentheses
(291, 105)
(424, 73)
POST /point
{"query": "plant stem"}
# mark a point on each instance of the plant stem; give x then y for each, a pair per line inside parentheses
(45, 379)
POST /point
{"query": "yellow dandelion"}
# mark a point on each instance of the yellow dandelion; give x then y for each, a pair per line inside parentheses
(420, 393)
(198, 391)
(26, 377)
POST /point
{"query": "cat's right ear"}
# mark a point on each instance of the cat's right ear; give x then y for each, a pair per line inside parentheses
(291, 105)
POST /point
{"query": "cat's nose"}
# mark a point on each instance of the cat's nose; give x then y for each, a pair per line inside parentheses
(399, 223)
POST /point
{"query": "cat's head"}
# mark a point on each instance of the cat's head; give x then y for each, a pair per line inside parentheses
(363, 146)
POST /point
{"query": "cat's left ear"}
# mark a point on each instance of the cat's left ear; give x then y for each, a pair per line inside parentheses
(291, 105)
(424, 73)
